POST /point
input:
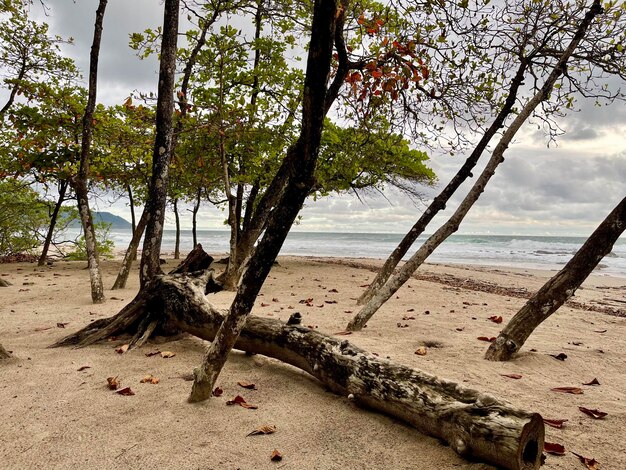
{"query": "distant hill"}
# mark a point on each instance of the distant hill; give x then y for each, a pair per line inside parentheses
(116, 222)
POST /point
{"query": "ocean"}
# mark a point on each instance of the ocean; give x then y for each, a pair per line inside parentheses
(517, 251)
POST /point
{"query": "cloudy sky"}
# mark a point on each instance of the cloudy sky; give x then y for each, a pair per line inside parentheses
(566, 189)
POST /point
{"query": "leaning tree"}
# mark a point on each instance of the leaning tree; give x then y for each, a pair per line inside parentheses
(538, 38)
(559, 288)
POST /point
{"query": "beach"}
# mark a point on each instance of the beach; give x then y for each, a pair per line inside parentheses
(60, 414)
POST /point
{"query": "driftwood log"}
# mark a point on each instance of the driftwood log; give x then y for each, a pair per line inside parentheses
(476, 425)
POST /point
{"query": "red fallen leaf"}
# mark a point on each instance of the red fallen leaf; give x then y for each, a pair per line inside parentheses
(343, 333)
(218, 392)
(496, 319)
(248, 385)
(595, 414)
(559, 356)
(512, 376)
(113, 383)
(276, 456)
(334, 290)
(554, 448)
(239, 400)
(83, 368)
(572, 390)
(599, 331)
(126, 392)
(485, 338)
(264, 304)
(591, 464)
(593, 382)
(153, 353)
(555, 423)
(62, 325)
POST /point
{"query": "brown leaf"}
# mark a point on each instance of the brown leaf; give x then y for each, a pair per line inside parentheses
(330, 301)
(167, 354)
(400, 325)
(410, 310)
(512, 376)
(460, 329)
(150, 379)
(113, 383)
(42, 328)
(262, 430)
(239, 400)
(595, 414)
(421, 351)
(264, 304)
(591, 464)
(559, 356)
(572, 390)
(334, 290)
(593, 382)
(62, 325)
(343, 333)
(599, 331)
(153, 353)
(248, 385)
(347, 311)
(555, 423)
(554, 448)
(122, 349)
(486, 338)
(218, 392)
(276, 456)
(83, 368)
(126, 392)
(274, 299)
(405, 318)
(496, 319)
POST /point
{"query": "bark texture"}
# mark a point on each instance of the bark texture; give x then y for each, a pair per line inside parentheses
(561, 287)
(476, 425)
(157, 194)
(80, 183)
(497, 157)
(131, 253)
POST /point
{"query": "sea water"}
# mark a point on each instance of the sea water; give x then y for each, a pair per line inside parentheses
(517, 251)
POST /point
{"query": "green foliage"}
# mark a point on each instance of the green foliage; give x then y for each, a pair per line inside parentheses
(23, 215)
(103, 241)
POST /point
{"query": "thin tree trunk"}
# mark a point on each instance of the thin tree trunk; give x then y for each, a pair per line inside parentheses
(476, 425)
(177, 218)
(561, 287)
(14, 89)
(299, 164)
(247, 215)
(80, 186)
(131, 253)
(439, 203)
(157, 195)
(194, 217)
(133, 220)
(497, 157)
(63, 184)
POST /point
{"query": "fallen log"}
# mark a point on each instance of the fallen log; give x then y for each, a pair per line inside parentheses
(476, 425)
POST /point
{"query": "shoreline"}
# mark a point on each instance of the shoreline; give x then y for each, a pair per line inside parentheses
(67, 418)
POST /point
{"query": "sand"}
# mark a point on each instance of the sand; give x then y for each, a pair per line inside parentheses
(57, 416)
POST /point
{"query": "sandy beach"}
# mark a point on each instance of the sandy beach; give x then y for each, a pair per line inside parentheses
(59, 414)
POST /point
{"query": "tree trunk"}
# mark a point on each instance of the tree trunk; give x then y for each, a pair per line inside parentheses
(196, 260)
(439, 203)
(177, 218)
(194, 217)
(80, 185)
(561, 287)
(63, 184)
(497, 157)
(4, 354)
(131, 253)
(476, 425)
(299, 165)
(157, 194)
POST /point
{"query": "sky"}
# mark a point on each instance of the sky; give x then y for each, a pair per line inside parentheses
(564, 189)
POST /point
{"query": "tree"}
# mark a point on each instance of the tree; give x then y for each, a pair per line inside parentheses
(541, 96)
(157, 193)
(28, 54)
(81, 180)
(560, 287)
